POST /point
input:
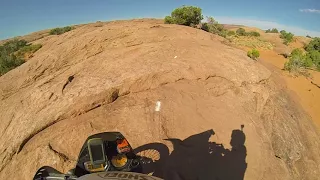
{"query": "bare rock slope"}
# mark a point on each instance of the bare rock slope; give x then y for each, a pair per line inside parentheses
(109, 76)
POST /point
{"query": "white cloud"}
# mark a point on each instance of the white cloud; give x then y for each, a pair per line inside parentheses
(310, 10)
(266, 25)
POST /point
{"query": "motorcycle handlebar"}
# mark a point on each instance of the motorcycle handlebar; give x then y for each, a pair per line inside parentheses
(57, 177)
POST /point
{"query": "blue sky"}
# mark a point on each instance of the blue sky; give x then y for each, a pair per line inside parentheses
(19, 17)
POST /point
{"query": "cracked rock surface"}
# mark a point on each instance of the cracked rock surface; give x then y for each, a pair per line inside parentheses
(109, 78)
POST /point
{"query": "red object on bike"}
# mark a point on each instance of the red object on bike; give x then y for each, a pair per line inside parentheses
(123, 146)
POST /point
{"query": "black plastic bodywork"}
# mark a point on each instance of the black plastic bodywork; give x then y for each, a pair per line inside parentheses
(109, 139)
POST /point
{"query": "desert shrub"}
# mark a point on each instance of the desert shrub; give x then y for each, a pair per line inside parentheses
(313, 58)
(28, 49)
(98, 24)
(213, 26)
(274, 30)
(9, 62)
(252, 43)
(308, 36)
(58, 31)
(11, 54)
(296, 61)
(241, 32)
(205, 27)
(217, 27)
(185, 15)
(299, 55)
(286, 36)
(253, 54)
(313, 52)
(249, 53)
(193, 25)
(223, 33)
(293, 65)
(314, 44)
(13, 45)
(296, 53)
(168, 20)
(253, 33)
(231, 33)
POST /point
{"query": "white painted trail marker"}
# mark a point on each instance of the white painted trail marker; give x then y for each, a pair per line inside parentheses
(158, 106)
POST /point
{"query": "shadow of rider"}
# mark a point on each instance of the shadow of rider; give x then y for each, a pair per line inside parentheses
(197, 158)
(183, 162)
(235, 158)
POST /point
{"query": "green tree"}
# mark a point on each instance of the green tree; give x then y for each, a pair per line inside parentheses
(297, 60)
(241, 32)
(168, 20)
(185, 15)
(212, 26)
(287, 37)
(314, 44)
(273, 30)
(313, 49)
(313, 57)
